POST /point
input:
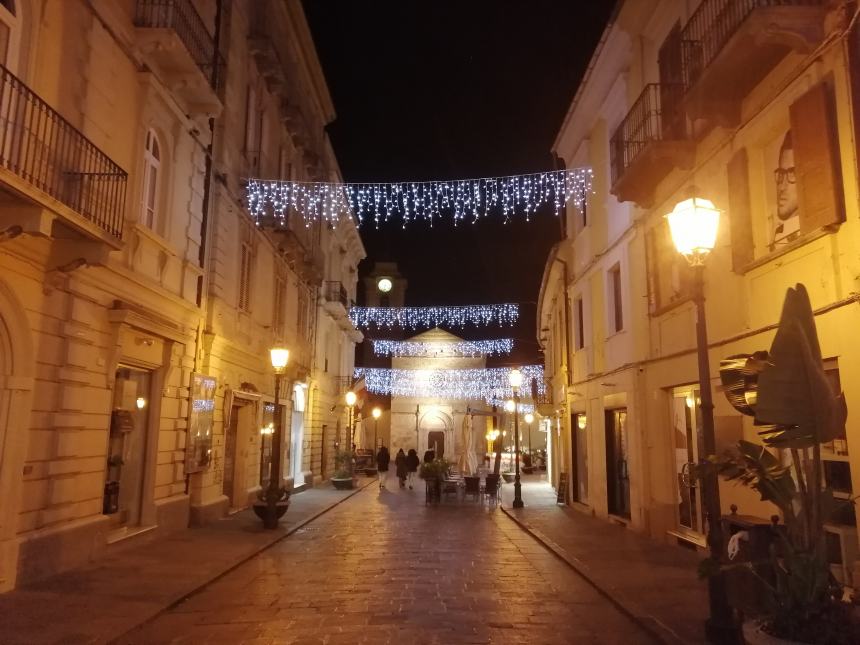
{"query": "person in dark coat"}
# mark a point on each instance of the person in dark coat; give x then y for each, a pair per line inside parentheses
(429, 456)
(412, 462)
(400, 463)
(382, 460)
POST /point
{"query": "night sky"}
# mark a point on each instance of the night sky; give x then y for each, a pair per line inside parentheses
(438, 89)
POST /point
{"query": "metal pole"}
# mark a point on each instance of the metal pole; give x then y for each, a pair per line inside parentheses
(273, 493)
(375, 432)
(720, 626)
(518, 493)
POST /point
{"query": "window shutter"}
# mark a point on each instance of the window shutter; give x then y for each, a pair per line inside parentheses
(740, 213)
(816, 159)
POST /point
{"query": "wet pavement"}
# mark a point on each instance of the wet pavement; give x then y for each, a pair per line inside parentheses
(384, 568)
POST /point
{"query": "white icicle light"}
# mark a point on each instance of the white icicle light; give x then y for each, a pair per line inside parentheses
(417, 317)
(464, 199)
(429, 348)
(489, 384)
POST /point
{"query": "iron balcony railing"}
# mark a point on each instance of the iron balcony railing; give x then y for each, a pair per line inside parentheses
(336, 292)
(182, 18)
(41, 147)
(656, 115)
(714, 23)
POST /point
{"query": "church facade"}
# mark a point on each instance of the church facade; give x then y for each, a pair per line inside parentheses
(430, 423)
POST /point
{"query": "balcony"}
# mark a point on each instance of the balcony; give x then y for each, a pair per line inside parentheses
(729, 46)
(176, 43)
(54, 181)
(650, 141)
(336, 300)
(267, 42)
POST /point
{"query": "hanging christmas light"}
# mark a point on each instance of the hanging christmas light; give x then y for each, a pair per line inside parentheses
(463, 199)
(444, 348)
(416, 317)
(489, 384)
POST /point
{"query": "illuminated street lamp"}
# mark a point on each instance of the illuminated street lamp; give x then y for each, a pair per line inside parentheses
(515, 378)
(529, 418)
(693, 224)
(279, 356)
(376, 414)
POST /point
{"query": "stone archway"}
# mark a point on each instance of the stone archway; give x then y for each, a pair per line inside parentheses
(16, 391)
(437, 428)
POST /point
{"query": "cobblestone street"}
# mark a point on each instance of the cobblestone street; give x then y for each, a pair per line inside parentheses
(384, 568)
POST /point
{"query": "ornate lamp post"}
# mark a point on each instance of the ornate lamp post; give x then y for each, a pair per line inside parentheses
(529, 418)
(515, 378)
(376, 414)
(280, 356)
(693, 224)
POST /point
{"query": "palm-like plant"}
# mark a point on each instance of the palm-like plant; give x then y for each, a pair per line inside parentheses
(788, 393)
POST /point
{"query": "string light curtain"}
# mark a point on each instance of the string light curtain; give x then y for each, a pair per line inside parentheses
(490, 384)
(496, 347)
(464, 199)
(418, 317)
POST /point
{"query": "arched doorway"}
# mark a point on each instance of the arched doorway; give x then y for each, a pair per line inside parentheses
(437, 433)
(16, 388)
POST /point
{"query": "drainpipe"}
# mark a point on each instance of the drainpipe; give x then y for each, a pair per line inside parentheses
(210, 149)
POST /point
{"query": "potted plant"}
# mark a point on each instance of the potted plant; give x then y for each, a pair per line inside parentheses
(527, 466)
(787, 391)
(433, 472)
(343, 475)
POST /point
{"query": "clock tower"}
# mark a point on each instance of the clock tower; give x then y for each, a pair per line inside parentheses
(384, 286)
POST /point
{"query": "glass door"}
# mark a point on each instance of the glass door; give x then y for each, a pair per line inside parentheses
(126, 458)
(687, 443)
(617, 475)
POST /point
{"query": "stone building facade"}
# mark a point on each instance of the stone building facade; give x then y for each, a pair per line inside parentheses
(680, 97)
(136, 294)
(426, 423)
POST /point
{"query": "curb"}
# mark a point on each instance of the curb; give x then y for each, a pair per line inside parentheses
(651, 624)
(235, 565)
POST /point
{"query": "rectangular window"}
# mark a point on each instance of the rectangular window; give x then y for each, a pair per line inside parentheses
(580, 324)
(617, 314)
(278, 307)
(302, 314)
(246, 261)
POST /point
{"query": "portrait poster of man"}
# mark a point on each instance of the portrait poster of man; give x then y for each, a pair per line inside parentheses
(782, 196)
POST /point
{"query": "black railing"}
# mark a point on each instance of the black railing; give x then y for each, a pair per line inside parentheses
(714, 23)
(336, 292)
(655, 116)
(41, 147)
(182, 18)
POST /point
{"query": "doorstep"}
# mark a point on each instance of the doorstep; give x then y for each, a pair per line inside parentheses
(124, 589)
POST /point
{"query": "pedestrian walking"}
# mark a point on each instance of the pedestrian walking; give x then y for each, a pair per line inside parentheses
(400, 463)
(382, 460)
(412, 462)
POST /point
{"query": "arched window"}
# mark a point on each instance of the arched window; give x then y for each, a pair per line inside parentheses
(10, 35)
(150, 192)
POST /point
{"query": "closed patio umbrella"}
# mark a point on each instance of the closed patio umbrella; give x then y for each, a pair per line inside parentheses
(467, 462)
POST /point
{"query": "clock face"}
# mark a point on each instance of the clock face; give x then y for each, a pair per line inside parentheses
(384, 285)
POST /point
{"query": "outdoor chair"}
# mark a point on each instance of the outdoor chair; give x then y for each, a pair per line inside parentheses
(473, 487)
(450, 486)
(492, 486)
